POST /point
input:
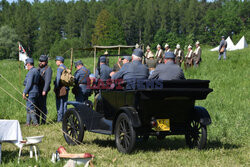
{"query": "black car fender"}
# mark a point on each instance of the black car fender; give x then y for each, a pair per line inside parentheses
(202, 115)
(132, 113)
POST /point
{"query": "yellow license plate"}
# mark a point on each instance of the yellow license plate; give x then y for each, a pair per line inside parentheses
(163, 125)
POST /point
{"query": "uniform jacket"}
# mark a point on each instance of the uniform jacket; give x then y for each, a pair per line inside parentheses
(104, 72)
(46, 77)
(148, 53)
(81, 75)
(189, 57)
(168, 71)
(222, 43)
(197, 54)
(159, 55)
(179, 55)
(31, 81)
(58, 75)
(133, 70)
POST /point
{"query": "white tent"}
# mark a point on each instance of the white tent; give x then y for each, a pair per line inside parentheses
(230, 45)
(241, 44)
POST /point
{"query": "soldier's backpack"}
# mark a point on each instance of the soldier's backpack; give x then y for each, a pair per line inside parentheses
(67, 79)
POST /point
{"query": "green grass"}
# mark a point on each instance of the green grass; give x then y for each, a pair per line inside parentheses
(228, 135)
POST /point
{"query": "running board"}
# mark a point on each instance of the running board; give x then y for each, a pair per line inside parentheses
(105, 132)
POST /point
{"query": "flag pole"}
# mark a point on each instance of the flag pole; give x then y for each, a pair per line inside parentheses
(20, 74)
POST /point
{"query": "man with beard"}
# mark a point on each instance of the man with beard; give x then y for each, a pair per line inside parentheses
(44, 88)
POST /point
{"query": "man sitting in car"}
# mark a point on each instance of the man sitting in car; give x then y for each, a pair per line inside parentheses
(169, 70)
(135, 69)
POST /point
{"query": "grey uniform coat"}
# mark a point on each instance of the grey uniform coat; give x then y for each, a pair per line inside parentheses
(134, 70)
(168, 71)
(222, 43)
(45, 76)
(31, 82)
(104, 72)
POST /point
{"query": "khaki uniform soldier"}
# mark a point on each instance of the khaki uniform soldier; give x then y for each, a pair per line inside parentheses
(179, 55)
(167, 48)
(189, 57)
(151, 62)
(137, 46)
(197, 54)
(148, 53)
(159, 54)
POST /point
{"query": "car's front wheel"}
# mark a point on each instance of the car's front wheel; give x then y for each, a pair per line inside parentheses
(73, 127)
(125, 135)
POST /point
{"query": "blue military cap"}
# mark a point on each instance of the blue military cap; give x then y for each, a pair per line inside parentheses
(79, 62)
(138, 52)
(169, 55)
(43, 58)
(129, 58)
(60, 58)
(103, 59)
(29, 60)
(222, 36)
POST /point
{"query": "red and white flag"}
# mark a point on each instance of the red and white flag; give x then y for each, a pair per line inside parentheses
(22, 53)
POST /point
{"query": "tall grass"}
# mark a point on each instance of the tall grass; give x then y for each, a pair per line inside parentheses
(228, 105)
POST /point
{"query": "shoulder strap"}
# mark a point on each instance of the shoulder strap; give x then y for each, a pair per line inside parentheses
(86, 72)
(44, 70)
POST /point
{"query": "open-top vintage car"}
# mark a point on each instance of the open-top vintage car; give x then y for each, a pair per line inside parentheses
(139, 113)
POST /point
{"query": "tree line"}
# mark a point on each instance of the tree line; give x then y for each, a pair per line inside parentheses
(54, 26)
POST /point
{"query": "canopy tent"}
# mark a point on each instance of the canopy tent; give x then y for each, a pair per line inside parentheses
(241, 44)
(100, 48)
(230, 45)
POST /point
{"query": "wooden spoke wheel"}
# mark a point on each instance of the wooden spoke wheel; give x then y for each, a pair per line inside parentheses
(125, 135)
(196, 136)
(73, 127)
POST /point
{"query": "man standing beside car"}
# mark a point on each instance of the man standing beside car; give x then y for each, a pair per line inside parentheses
(60, 90)
(30, 93)
(81, 75)
(44, 87)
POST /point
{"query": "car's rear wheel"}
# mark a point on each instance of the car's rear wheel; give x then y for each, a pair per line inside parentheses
(196, 136)
(73, 127)
(125, 135)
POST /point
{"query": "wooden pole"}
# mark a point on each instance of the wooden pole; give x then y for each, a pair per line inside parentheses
(20, 74)
(94, 58)
(71, 59)
(119, 52)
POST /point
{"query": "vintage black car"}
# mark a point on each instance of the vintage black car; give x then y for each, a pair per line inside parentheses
(130, 114)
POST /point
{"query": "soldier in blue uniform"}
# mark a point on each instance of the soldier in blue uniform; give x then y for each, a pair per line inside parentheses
(169, 70)
(31, 92)
(223, 43)
(133, 70)
(44, 88)
(61, 101)
(81, 75)
(104, 71)
(125, 61)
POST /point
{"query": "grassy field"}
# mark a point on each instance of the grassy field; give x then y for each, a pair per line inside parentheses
(228, 135)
